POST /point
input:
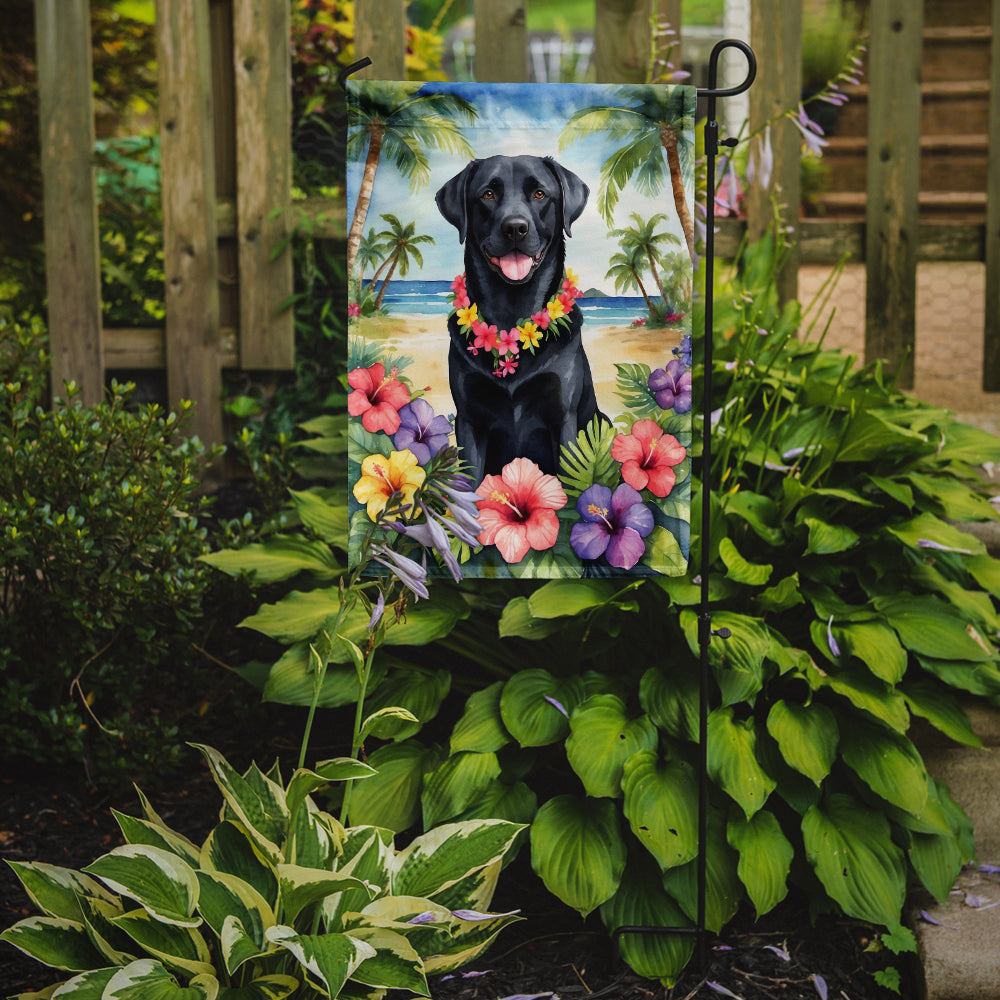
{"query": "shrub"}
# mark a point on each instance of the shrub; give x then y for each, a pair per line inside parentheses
(99, 540)
(280, 899)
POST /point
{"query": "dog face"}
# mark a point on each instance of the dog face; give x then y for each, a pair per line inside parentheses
(512, 210)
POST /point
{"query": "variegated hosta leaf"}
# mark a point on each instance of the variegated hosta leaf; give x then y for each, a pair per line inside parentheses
(850, 847)
(807, 735)
(86, 986)
(301, 887)
(141, 831)
(225, 897)
(395, 964)
(158, 880)
(275, 987)
(367, 854)
(578, 851)
(602, 738)
(732, 760)
(642, 902)
(230, 849)
(441, 857)
(98, 915)
(149, 980)
(54, 941)
(329, 959)
(765, 858)
(256, 801)
(476, 890)
(177, 947)
(315, 838)
(56, 891)
(467, 940)
(661, 799)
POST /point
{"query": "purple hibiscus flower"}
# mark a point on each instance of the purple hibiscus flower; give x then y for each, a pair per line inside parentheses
(683, 350)
(614, 525)
(671, 386)
(420, 431)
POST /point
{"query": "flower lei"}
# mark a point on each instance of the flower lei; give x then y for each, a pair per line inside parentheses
(529, 334)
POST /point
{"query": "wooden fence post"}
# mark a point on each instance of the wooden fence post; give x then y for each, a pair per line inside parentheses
(622, 40)
(380, 34)
(72, 255)
(991, 332)
(893, 183)
(190, 250)
(261, 56)
(776, 35)
(501, 41)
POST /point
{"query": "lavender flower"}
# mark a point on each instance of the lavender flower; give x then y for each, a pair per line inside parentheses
(411, 574)
(831, 642)
(614, 525)
(421, 431)
(377, 612)
(671, 386)
(760, 164)
(431, 535)
(811, 132)
(683, 350)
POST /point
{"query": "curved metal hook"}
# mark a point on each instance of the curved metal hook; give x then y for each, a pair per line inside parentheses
(713, 69)
(348, 70)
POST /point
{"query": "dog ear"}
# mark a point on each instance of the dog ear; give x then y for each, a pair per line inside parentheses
(451, 200)
(574, 192)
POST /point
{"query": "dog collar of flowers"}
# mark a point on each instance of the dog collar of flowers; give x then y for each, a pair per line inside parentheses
(528, 334)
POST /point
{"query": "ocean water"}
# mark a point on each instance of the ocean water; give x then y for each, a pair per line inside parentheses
(430, 298)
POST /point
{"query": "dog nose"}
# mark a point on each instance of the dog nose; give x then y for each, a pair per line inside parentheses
(515, 228)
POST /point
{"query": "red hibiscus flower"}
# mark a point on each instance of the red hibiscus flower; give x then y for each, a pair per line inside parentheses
(377, 398)
(647, 456)
(518, 512)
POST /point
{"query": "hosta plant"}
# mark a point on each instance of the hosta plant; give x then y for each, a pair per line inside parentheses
(279, 900)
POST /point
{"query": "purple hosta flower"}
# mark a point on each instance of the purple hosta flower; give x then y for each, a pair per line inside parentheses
(760, 164)
(614, 525)
(476, 915)
(728, 194)
(462, 506)
(427, 917)
(411, 574)
(557, 704)
(719, 988)
(431, 535)
(831, 642)
(420, 431)
(464, 528)
(671, 386)
(819, 983)
(927, 543)
(683, 350)
(377, 612)
(782, 953)
(811, 132)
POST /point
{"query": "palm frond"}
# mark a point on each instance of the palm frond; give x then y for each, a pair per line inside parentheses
(588, 460)
(633, 389)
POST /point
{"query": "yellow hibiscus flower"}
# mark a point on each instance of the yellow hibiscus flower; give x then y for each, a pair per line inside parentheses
(381, 477)
(468, 315)
(556, 310)
(529, 334)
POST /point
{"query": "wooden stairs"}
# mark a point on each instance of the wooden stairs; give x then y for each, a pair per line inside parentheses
(955, 88)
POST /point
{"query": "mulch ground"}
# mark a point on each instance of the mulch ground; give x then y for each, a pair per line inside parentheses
(551, 952)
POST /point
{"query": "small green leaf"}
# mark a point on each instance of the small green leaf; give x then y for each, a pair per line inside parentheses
(807, 736)
(738, 569)
(732, 760)
(330, 958)
(765, 858)
(481, 727)
(530, 706)
(391, 798)
(828, 539)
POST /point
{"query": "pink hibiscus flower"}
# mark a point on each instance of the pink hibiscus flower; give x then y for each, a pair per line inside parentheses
(518, 512)
(377, 398)
(486, 336)
(541, 319)
(509, 342)
(647, 456)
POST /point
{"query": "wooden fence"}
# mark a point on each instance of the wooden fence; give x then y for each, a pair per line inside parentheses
(226, 161)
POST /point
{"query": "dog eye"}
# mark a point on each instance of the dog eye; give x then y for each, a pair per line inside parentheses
(488, 194)
(539, 194)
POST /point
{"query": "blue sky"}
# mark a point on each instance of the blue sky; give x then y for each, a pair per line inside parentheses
(515, 119)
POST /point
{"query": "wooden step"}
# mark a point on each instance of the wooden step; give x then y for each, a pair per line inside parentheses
(956, 53)
(964, 206)
(947, 106)
(945, 12)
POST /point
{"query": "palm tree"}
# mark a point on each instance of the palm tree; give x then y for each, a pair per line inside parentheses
(658, 122)
(401, 242)
(643, 238)
(372, 252)
(405, 123)
(626, 272)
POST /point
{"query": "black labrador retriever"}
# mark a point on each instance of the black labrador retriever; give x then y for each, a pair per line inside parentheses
(514, 213)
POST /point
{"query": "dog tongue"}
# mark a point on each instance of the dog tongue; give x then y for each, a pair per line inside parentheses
(515, 266)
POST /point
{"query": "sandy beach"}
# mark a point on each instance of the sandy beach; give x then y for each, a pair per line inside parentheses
(425, 340)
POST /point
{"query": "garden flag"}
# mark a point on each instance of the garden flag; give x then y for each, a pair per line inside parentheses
(519, 268)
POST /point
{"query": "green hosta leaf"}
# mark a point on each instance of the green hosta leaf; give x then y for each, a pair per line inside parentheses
(723, 889)
(976, 678)
(279, 558)
(931, 628)
(330, 959)
(732, 760)
(738, 661)
(56, 891)
(876, 646)
(141, 831)
(528, 714)
(417, 690)
(87, 986)
(395, 964)
(163, 884)
(230, 849)
(937, 858)
(661, 799)
(602, 738)
(965, 443)
(180, 948)
(301, 887)
(928, 528)
(481, 728)
(986, 572)
(275, 987)
(783, 595)
(738, 569)
(147, 979)
(642, 902)
(515, 803)
(671, 701)
(560, 598)
(828, 539)
(54, 941)
(870, 436)
(517, 620)
(850, 847)
(941, 709)
(292, 680)
(957, 501)
(807, 736)
(456, 784)
(578, 851)
(760, 512)
(866, 692)
(765, 858)
(387, 722)
(327, 520)
(888, 763)
(98, 914)
(225, 897)
(440, 858)
(391, 798)
(588, 460)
